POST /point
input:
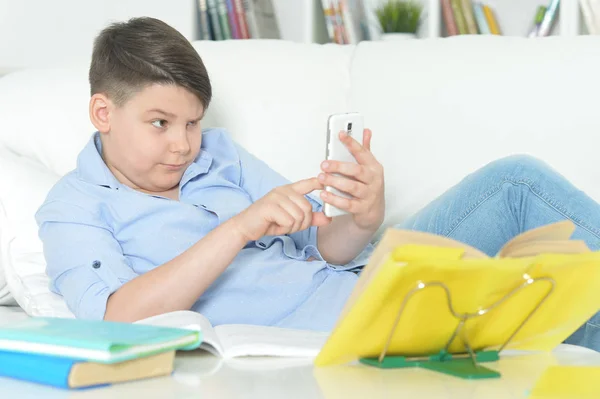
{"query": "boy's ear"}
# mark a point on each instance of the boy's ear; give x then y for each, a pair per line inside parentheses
(100, 107)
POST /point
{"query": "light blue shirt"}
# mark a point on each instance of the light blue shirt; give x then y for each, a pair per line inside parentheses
(99, 234)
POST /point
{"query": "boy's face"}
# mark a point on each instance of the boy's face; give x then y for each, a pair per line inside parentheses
(150, 141)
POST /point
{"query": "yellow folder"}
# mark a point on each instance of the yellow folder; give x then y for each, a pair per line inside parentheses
(544, 298)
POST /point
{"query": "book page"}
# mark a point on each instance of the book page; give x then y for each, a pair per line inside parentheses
(560, 231)
(545, 247)
(248, 340)
(394, 238)
(189, 320)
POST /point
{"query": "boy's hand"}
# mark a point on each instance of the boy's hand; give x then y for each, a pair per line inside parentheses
(284, 210)
(363, 181)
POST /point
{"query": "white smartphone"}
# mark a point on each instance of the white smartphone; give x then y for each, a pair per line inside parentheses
(353, 124)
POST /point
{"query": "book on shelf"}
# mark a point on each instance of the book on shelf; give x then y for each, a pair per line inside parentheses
(232, 19)
(482, 24)
(467, 9)
(345, 21)
(537, 21)
(237, 19)
(223, 19)
(448, 16)
(467, 17)
(591, 15)
(240, 18)
(459, 16)
(262, 20)
(490, 18)
(215, 24)
(204, 20)
(532, 295)
(462, 17)
(550, 17)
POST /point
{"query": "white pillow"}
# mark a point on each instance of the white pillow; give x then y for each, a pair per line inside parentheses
(22, 191)
(5, 296)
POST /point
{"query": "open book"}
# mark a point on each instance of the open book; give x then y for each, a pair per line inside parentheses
(417, 288)
(551, 238)
(240, 340)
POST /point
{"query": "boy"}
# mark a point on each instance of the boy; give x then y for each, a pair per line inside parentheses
(159, 216)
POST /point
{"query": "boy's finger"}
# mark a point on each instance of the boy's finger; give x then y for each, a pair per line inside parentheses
(349, 205)
(295, 212)
(348, 169)
(319, 219)
(282, 219)
(307, 186)
(306, 208)
(360, 153)
(367, 136)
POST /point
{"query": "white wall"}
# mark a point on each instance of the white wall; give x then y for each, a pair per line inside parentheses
(37, 33)
(53, 32)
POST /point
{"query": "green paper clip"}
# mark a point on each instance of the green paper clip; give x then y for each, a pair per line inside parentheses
(443, 362)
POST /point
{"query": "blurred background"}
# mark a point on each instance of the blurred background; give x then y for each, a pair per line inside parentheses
(38, 33)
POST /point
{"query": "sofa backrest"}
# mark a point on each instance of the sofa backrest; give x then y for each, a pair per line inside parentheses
(456, 103)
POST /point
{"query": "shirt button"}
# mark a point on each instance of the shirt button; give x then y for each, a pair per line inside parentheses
(96, 264)
(261, 244)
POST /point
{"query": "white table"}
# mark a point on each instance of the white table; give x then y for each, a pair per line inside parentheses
(199, 375)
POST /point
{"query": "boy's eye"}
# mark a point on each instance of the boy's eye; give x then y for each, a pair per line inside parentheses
(192, 123)
(160, 123)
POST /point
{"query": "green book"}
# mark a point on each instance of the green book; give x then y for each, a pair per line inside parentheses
(224, 19)
(96, 341)
(459, 17)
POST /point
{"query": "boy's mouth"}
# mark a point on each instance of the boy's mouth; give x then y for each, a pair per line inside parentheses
(175, 166)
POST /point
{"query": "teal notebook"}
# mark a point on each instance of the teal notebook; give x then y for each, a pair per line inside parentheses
(97, 341)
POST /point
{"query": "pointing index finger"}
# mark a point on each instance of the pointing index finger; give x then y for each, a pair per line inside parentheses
(306, 186)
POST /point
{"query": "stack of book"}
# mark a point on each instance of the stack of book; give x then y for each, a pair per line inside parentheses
(467, 17)
(237, 19)
(71, 353)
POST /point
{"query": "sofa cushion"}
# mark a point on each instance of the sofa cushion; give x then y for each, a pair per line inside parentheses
(440, 109)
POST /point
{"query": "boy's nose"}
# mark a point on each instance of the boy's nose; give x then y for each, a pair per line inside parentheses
(180, 144)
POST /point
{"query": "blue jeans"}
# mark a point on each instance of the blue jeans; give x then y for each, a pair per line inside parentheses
(507, 197)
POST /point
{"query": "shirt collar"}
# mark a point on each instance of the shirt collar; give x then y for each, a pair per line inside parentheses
(92, 168)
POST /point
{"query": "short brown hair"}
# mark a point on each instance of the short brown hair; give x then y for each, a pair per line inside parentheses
(129, 56)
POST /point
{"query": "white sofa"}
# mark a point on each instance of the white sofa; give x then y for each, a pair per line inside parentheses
(439, 109)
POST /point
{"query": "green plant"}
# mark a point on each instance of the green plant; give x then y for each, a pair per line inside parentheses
(399, 16)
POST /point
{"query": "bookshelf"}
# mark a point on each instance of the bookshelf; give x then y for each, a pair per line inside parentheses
(304, 21)
(515, 17)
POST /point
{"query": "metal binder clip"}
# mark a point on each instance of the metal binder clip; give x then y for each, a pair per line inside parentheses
(464, 365)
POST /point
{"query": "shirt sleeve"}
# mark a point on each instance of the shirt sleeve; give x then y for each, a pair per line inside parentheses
(257, 179)
(85, 263)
